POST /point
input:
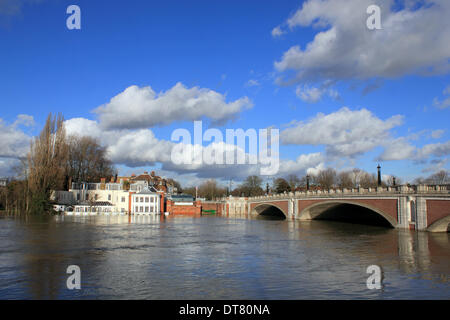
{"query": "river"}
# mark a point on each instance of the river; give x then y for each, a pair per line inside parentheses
(148, 257)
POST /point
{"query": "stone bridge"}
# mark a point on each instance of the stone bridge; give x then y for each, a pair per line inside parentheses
(420, 207)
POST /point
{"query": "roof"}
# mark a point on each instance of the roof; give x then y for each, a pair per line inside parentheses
(96, 204)
(182, 197)
(148, 190)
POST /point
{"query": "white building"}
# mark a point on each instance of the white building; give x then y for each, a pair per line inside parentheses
(146, 201)
(95, 192)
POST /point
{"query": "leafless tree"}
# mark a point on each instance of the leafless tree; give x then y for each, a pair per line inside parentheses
(440, 177)
(326, 178)
(293, 181)
(87, 160)
(47, 163)
(345, 179)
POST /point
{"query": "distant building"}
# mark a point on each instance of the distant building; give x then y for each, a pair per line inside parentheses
(183, 204)
(142, 194)
(146, 201)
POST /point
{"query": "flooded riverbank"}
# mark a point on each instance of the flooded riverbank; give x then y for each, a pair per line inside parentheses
(157, 257)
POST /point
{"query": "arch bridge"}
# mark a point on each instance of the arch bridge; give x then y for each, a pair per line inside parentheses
(404, 207)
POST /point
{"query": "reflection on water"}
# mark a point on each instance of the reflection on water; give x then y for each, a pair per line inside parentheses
(158, 257)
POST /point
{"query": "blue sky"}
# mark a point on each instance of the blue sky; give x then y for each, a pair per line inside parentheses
(230, 48)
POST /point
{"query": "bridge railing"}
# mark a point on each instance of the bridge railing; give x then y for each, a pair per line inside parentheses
(403, 189)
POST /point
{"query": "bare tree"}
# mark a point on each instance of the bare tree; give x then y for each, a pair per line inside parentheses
(345, 179)
(440, 177)
(47, 163)
(293, 181)
(326, 178)
(356, 176)
(368, 180)
(87, 160)
(391, 179)
(210, 190)
(281, 186)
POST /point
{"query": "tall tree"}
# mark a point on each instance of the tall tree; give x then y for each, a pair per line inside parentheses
(47, 163)
(345, 179)
(440, 177)
(326, 178)
(211, 190)
(293, 181)
(251, 187)
(281, 186)
(87, 160)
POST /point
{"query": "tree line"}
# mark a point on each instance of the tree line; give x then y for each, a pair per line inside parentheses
(325, 179)
(54, 159)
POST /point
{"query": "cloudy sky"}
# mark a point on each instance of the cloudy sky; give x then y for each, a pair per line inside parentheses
(341, 95)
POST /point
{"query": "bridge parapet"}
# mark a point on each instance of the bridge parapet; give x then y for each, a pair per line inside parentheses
(429, 190)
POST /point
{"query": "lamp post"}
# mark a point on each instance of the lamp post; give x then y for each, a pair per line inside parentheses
(379, 175)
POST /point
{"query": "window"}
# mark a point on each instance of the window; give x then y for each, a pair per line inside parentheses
(123, 199)
(109, 197)
(412, 214)
(153, 199)
(151, 209)
(146, 209)
(141, 209)
(146, 199)
(142, 199)
(137, 209)
(87, 196)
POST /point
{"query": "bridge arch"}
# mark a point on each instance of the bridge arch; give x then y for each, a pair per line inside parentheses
(324, 208)
(441, 225)
(268, 209)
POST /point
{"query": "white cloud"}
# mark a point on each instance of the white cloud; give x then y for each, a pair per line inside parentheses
(313, 94)
(252, 83)
(14, 143)
(345, 48)
(277, 32)
(138, 148)
(444, 104)
(398, 149)
(142, 107)
(436, 149)
(436, 134)
(345, 133)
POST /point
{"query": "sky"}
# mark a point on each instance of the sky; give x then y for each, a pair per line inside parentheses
(340, 94)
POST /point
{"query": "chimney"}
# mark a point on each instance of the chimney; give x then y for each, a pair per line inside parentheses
(153, 173)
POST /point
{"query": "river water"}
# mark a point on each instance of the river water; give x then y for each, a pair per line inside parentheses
(217, 258)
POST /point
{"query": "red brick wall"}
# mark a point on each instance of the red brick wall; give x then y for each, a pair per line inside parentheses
(387, 206)
(212, 206)
(437, 209)
(185, 210)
